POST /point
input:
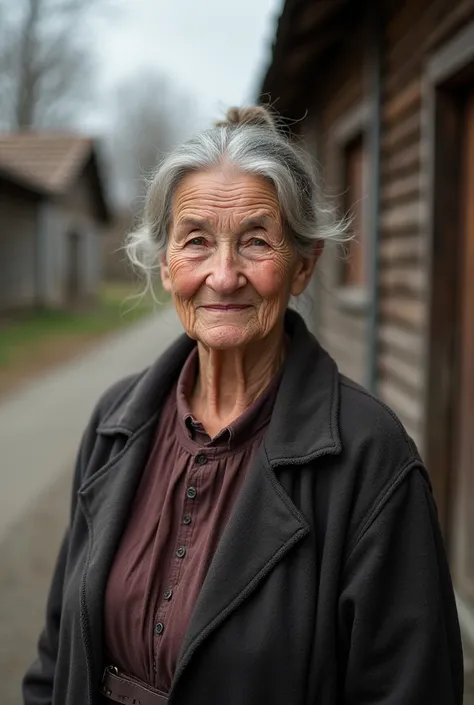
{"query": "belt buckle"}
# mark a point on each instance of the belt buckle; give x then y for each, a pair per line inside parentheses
(108, 669)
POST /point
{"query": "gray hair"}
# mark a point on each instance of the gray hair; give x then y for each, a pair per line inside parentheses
(254, 147)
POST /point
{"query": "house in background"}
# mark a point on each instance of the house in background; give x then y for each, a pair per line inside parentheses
(386, 92)
(53, 210)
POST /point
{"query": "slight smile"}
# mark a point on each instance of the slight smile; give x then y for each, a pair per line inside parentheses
(226, 308)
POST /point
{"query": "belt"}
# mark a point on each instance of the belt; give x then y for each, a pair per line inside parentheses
(124, 689)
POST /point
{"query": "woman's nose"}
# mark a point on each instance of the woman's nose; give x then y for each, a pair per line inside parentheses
(225, 275)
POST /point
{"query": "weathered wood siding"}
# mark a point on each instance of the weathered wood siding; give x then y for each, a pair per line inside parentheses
(342, 330)
(412, 31)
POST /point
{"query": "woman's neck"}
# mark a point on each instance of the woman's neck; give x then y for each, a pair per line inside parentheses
(229, 381)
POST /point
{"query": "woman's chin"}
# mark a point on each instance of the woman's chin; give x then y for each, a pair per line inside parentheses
(225, 337)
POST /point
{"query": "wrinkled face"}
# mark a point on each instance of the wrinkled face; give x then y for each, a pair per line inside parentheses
(229, 264)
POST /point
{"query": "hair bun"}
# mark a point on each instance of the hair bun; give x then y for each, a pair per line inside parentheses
(254, 115)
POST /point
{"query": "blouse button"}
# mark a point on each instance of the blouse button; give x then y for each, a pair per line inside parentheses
(181, 552)
(201, 459)
(159, 628)
(191, 492)
(187, 519)
(168, 594)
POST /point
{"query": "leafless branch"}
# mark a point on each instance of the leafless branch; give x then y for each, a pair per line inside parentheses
(43, 56)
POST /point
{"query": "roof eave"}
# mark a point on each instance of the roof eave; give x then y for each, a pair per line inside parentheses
(307, 33)
(20, 181)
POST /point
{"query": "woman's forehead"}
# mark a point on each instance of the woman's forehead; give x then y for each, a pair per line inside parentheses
(209, 194)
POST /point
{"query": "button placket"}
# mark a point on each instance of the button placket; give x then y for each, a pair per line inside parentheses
(185, 531)
(182, 541)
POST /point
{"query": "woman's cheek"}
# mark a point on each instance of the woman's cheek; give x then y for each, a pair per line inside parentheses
(269, 278)
(184, 276)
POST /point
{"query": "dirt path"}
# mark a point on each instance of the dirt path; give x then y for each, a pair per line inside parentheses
(27, 555)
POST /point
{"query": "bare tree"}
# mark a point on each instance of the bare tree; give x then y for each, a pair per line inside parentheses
(150, 117)
(45, 60)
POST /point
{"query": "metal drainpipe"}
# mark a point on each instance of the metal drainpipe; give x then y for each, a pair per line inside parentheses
(376, 91)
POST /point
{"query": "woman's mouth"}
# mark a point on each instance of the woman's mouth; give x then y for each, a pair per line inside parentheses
(223, 308)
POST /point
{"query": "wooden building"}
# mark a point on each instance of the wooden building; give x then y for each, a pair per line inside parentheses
(383, 95)
(53, 211)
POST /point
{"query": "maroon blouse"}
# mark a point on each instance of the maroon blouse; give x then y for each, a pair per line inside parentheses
(181, 508)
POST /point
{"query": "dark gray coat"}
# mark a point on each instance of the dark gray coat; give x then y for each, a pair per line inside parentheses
(330, 584)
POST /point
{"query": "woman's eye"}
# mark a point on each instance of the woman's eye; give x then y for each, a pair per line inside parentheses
(196, 241)
(258, 242)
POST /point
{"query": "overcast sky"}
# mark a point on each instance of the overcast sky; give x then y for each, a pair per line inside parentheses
(214, 49)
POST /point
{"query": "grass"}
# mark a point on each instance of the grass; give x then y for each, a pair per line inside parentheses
(22, 338)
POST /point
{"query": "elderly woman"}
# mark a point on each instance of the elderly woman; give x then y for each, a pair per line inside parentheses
(248, 526)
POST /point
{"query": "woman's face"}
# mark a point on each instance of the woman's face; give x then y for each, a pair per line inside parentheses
(229, 265)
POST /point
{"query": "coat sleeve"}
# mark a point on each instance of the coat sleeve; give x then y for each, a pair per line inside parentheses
(398, 626)
(39, 678)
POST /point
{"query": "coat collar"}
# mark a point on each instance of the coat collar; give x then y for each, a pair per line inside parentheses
(304, 423)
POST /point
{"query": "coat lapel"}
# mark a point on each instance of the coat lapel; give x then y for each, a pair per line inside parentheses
(263, 527)
(105, 500)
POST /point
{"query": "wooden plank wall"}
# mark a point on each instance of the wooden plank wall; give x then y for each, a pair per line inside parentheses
(342, 331)
(412, 30)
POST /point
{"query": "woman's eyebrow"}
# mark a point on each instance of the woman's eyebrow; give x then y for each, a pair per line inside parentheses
(255, 222)
(197, 223)
(191, 223)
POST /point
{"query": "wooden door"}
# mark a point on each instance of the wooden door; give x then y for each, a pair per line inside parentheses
(462, 505)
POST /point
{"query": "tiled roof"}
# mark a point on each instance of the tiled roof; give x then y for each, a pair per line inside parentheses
(48, 161)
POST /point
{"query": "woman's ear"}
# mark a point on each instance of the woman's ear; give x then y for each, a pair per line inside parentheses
(304, 269)
(165, 274)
